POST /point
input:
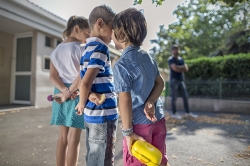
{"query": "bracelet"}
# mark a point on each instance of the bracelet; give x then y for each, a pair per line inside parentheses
(127, 132)
(67, 89)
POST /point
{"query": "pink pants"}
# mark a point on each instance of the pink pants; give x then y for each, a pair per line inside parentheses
(152, 133)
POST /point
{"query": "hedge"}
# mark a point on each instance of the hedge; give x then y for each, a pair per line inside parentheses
(229, 67)
(226, 77)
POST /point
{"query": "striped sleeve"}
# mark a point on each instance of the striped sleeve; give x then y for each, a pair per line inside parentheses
(99, 58)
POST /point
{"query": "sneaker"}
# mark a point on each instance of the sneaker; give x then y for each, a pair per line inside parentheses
(191, 115)
(176, 116)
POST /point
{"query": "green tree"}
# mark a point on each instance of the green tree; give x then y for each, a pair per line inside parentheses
(229, 2)
(158, 2)
(200, 30)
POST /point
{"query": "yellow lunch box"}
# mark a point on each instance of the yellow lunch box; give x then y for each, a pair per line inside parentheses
(146, 153)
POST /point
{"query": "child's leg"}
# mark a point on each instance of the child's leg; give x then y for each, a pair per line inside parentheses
(96, 135)
(61, 146)
(110, 145)
(159, 137)
(73, 145)
(144, 131)
(87, 142)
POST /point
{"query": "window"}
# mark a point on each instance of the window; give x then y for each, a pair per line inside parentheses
(23, 54)
(58, 42)
(46, 63)
(48, 41)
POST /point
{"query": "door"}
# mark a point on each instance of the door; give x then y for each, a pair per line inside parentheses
(22, 70)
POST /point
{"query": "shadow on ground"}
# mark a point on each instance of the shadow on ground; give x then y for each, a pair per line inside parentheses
(27, 139)
(212, 138)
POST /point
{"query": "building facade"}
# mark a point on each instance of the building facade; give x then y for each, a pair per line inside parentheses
(28, 35)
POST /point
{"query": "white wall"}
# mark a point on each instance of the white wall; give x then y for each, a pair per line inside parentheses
(43, 85)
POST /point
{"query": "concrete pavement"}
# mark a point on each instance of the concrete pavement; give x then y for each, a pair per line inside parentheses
(27, 139)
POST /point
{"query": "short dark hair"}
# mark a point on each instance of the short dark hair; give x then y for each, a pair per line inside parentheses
(130, 26)
(104, 12)
(174, 46)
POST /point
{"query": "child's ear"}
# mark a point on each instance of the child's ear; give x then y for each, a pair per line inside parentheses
(99, 23)
(76, 29)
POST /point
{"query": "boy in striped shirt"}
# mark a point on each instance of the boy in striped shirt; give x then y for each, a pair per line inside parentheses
(97, 77)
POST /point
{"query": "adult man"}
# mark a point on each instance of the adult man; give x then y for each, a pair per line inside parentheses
(177, 69)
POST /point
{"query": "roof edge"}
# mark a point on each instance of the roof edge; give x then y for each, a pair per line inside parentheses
(41, 11)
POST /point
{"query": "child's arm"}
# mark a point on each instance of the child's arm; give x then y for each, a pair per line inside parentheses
(125, 108)
(55, 79)
(57, 82)
(93, 97)
(70, 92)
(149, 109)
(123, 88)
(85, 86)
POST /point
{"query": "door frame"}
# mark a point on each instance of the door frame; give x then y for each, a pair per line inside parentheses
(13, 68)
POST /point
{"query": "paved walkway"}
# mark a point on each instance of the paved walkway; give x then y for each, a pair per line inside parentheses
(27, 139)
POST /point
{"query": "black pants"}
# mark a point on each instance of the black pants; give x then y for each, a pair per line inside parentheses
(178, 86)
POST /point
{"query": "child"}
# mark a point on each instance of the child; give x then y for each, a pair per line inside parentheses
(97, 76)
(64, 74)
(139, 85)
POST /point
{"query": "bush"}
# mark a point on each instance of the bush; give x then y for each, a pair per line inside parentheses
(226, 77)
(229, 67)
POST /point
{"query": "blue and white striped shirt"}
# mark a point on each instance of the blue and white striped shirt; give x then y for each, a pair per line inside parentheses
(96, 55)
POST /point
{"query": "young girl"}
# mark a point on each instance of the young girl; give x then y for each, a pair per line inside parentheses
(139, 85)
(64, 74)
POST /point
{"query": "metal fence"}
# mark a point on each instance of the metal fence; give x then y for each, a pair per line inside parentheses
(229, 90)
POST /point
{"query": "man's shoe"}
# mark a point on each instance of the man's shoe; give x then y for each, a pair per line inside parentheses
(176, 116)
(191, 115)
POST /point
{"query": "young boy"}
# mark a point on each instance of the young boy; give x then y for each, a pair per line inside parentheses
(97, 76)
(139, 85)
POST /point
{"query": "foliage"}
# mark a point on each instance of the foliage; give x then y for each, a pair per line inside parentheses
(158, 2)
(219, 77)
(201, 28)
(227, 68)
(229, 2)
(238, 42)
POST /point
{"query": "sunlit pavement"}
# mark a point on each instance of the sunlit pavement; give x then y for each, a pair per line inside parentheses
(27, 139)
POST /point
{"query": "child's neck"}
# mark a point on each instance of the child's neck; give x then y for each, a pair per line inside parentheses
(124, 46)
(92, 34)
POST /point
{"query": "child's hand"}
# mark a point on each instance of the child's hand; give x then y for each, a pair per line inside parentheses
(96, 98)
(74, 95)
(131, 139)
(149, 111)
(80, 109)
(61, 97)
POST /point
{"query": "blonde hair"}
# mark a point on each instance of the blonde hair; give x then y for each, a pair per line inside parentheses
(72, 22)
